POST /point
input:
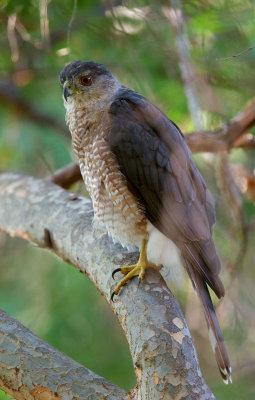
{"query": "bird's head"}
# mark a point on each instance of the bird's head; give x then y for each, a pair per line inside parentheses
(87, 83)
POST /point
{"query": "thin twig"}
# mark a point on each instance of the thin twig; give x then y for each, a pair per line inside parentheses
(237, 55)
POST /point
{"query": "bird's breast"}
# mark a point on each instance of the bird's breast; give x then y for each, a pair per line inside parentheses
(115, 207)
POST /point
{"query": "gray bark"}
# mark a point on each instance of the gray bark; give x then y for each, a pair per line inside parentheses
(32, 369)
(162, 350)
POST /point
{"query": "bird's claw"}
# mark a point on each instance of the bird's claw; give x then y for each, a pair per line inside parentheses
(115, 271)
(112, 295)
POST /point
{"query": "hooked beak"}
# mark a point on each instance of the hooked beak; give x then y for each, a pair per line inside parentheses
(66, 92)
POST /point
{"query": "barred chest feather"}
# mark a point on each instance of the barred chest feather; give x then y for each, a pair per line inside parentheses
(115, 208)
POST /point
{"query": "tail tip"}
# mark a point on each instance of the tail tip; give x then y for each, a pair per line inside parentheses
(221, 357)
(226, 375)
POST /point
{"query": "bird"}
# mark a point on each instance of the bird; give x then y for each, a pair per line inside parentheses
(145, 187)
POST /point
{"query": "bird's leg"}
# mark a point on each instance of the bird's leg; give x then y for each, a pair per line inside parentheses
(134, 270)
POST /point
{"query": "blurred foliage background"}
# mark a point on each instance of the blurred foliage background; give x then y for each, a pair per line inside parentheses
(140, 43)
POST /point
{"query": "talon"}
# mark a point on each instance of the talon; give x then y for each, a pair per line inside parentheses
(139, 281)
(115, 271)
(134, 270)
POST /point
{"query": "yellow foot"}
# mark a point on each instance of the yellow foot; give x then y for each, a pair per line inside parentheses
(134, 270)
(130, 272)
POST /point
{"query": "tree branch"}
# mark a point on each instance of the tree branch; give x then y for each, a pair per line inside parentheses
(244, 180)
(163, 354)
(228, 136)
(66, 176)
(32, 369)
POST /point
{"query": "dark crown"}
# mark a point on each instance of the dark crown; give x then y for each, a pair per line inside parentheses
(76, 68)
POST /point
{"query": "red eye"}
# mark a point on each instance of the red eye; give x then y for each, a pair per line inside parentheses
(86, 80)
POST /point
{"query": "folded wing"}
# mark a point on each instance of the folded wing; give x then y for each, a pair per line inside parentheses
(153, 156)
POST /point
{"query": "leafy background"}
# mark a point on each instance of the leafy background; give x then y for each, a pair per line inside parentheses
(137, 42)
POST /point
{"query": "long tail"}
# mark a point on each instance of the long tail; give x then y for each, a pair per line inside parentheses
(215, 334)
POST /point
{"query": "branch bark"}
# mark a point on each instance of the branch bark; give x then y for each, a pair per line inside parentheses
(32, 369)
(163, 353)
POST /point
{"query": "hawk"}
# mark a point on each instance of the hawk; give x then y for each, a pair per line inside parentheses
(145, 187)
